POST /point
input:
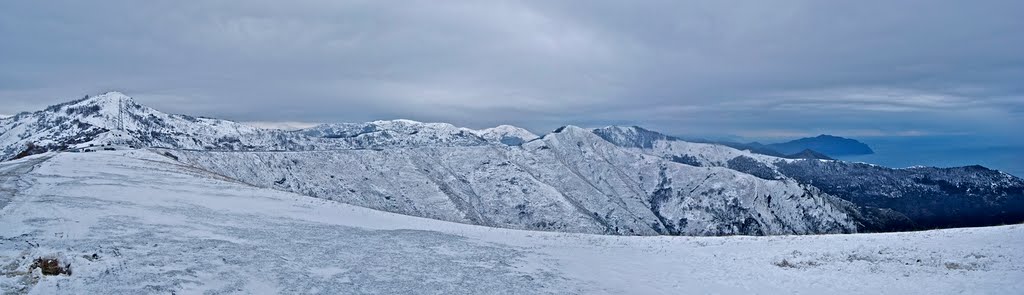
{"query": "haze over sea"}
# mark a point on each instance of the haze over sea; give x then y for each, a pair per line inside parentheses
(943, 151)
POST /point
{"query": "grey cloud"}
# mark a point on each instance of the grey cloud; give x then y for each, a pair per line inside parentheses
(695, 67)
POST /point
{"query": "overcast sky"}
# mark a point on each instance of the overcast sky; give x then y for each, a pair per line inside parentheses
(758, 69)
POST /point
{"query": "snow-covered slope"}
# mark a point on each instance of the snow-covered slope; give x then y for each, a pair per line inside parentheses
(136, 222)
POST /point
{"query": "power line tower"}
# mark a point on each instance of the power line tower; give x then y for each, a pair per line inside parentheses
(120, 114)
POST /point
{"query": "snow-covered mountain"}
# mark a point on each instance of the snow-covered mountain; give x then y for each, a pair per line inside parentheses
(614, 180)
(114, 118)
(888, 199)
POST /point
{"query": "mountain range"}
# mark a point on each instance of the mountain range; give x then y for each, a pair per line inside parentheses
(612, 180)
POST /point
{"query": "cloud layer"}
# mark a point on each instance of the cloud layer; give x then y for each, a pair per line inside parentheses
(708, 67)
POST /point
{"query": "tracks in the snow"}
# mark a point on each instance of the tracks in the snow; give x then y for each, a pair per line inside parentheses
(10, 177)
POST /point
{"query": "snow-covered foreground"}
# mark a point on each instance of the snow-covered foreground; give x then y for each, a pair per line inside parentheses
(156, 226)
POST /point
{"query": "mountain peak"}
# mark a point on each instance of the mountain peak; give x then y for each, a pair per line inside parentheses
(506, 134)
(112, 98)
(114, 94)
(100, 110)
(106, 105)
(398, 122)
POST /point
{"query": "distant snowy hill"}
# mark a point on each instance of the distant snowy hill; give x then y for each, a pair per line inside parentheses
(395, 133)
(614, 180)
(114, 118)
